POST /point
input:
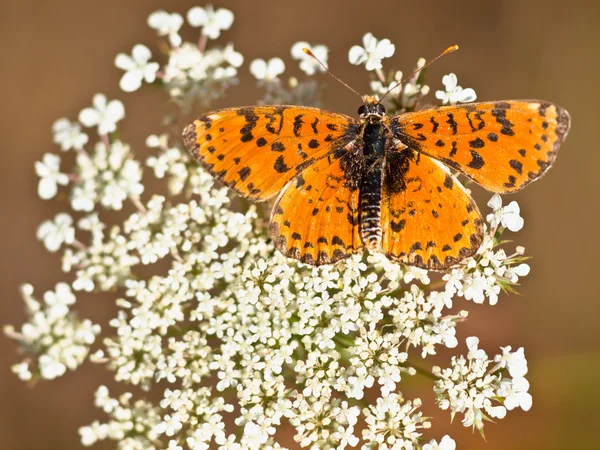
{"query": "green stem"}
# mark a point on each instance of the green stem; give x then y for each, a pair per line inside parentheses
(426, 373)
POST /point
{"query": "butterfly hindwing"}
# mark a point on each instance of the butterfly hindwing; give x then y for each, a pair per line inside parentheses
(316, 217)
(258, 150)
(503, 146)
(427, 218)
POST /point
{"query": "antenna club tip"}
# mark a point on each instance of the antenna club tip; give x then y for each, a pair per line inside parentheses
(451, 49)
(307, 51)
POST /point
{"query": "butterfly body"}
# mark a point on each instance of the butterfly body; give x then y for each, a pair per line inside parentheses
(381, 183)
(375, 134)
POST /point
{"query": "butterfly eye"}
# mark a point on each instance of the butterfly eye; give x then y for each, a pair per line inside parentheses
(380, 108)
(362, 110)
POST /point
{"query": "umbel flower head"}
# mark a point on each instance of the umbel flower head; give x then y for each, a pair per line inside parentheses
(238, 342)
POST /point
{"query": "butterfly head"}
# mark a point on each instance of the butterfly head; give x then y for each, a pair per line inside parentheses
(371, 108)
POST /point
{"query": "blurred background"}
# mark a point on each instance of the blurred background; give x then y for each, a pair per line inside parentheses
(56, 55)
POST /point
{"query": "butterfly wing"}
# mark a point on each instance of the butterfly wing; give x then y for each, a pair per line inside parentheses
(316, 217)
(257, 150)
(503, 146)
(427, 218)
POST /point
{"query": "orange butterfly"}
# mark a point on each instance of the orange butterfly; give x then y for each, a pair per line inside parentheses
(378, 182)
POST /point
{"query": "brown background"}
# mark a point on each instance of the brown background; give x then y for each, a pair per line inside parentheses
(56, 55)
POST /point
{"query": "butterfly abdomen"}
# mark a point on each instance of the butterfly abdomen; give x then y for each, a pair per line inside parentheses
(374, 139)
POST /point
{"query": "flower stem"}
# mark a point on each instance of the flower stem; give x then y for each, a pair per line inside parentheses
(380, 75)
(426, 373)
(202, 43)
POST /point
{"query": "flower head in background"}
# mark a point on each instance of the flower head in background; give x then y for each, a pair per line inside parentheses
(137, 68)
(103, 114)
(55, 233)
(50, 176)
(167, 24)
(210, 20)
(454, 93)
(69, 135)
(372, 52)
(267, 70)
(308, 64)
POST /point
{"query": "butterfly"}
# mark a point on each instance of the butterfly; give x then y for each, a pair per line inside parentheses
(381, 183)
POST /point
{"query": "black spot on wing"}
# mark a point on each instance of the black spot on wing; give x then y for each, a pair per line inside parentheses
(298, 124)
(244, 173)
(477, 161)
(453, 124)
(261, 142)
(516, 165)
(434, 123)
(398, 226)
(499, 112)
(277, 146)
(280, 165)
(477, 143)
(313, 143)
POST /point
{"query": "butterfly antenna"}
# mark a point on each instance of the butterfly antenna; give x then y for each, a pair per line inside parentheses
(450, 49)
(311, 54)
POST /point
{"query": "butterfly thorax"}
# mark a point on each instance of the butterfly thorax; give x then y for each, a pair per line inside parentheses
(374, 137)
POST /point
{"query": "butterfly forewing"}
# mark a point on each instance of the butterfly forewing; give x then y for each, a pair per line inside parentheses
(427, 218)
(503, 146)
(258, 150)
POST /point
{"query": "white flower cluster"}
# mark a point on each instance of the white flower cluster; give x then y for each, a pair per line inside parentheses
(104, 264)
(132, 425)
(483, 388)
(402, 96)
(192, 72)
(490, 271)
(109, 175)
(394, 424)
(53, 334)
(420, 319)
(240, 338)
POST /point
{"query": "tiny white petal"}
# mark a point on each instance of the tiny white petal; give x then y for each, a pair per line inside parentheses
(495, 202)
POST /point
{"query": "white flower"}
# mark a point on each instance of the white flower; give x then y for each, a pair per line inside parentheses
(447, 443)
(136, 67)
(103, 114)
(509, 216)
(454, 93)
(267, 70)
(231, 56)
(50, 176)
(68, 134)
(254, 436)
(55, 233)
(497, 412)
(212, 21)
(515, 362)
(22, 370)
(515, 394)
(308, 64)
(167, 25)
(522, 269)
(372, 52)
(474, 351)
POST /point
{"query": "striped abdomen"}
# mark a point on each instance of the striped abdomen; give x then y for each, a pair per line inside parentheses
(370, 189)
